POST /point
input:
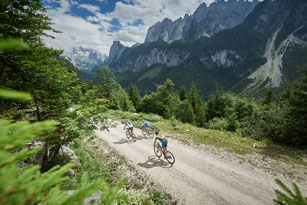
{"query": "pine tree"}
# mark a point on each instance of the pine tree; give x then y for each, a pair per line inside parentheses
(296, 116)
(134, 96)
(27, 185)
(197, 105)
(183, 93)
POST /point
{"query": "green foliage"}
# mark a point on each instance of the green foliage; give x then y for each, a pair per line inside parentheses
(157, 196)
(28, 185)
(183, 93)
(218, 124)
(12, 44)
(185, 112)
(11, 94)
(134, 96)
(136, 198)
(91, 164)
(288, 197)
(296, 115)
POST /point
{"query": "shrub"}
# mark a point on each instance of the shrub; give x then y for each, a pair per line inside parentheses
(218, 124)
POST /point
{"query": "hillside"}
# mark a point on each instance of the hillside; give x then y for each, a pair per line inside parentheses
(257, 53)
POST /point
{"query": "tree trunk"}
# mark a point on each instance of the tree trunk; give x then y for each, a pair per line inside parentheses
(38, 115)
(45, 162)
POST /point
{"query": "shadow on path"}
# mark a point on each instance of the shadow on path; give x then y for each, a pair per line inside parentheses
(141, 137)
(123, 141)
(153, 161)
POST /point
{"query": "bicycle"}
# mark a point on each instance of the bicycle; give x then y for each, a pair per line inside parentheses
(169, 156)
(130, 134)
(150, 133)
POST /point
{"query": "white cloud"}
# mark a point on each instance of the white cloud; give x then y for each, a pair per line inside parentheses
(90, 8)
(95, 31)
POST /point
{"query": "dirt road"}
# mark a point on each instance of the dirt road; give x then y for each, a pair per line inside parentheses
(196, 177)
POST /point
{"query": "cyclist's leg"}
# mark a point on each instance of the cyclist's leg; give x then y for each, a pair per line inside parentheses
(164, 149)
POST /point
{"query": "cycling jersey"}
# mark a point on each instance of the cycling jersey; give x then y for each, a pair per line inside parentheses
(146, 124)
(163, 140)
(129, 124)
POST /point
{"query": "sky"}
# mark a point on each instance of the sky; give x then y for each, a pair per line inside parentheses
(96, 24)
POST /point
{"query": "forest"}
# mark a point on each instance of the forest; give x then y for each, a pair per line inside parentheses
(43, 97)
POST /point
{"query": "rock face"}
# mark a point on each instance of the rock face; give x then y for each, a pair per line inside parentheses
(205, 21)
(86, 59)
(115, 51)
(169, 58)
(264, 50)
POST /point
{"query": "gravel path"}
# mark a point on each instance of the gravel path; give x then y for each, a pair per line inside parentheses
(197, 177)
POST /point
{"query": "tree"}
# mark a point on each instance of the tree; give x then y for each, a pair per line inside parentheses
(197, 105)
(27, 185)
(134, 96)
(125, 103)
(106, 82)
(185, 112)
(296, 116)
(183, 93)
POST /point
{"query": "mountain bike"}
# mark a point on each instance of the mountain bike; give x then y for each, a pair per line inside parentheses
(169, 156)
(150, 133)
(130, 134)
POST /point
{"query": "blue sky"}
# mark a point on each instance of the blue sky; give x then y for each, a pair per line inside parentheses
(97, 23)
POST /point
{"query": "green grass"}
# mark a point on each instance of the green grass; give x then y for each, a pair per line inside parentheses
(150, 74)
(229, 141)
(232, 142)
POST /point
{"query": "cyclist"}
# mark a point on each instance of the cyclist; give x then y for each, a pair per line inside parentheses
(164, 142)
(130, 127)
(146, 125)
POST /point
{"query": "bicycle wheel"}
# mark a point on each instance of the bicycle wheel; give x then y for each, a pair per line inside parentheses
(158, 151)
(133, 136)
(144, 132)
(127, 134)
(170, 157)
(151, 134)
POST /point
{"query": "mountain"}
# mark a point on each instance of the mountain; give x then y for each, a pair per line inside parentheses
(264, 50)
(85, 59)
(206, 21)
(115, 51)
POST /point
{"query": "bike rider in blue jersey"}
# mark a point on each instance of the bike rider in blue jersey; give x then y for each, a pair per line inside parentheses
(163, 141)
(146, 125)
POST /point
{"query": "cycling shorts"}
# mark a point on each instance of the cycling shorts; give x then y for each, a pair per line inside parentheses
(164, 145)
(130, 128)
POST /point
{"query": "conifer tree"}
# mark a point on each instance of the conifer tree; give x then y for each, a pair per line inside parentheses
(197, 105)
(27, 185)
(134, 96)
(296, 116)
(183, 93)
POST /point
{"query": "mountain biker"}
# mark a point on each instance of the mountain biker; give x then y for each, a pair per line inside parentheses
(130, 126)
(164, 142)
(146, 125)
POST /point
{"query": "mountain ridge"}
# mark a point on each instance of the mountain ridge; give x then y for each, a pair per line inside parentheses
(226, 60)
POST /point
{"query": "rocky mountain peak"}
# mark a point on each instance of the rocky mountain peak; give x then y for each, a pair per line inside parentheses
(115, 51)
(205, 21)
(85, 58)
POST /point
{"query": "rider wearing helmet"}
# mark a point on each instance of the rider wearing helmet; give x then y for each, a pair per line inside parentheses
(129, 125)
(146, 125)
(163, 141)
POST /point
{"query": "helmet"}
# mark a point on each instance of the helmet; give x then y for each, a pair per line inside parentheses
(144, 121)
(156, 132)
(127, 121)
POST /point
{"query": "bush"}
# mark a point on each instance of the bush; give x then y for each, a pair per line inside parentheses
(136, 197)
(218, 124)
